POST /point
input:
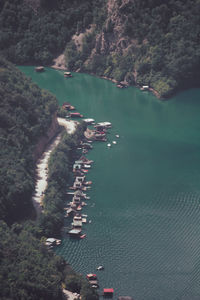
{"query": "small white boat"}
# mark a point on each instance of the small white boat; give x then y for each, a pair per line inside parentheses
(99, 268)
(114, 142)
(89, 121)
(117, 135)
(86, 166)
(109, 145)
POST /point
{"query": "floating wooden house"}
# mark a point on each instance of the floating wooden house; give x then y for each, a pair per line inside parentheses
(76, 115)
(91, 276)
(80, 178)
(77, 185)
(76, 200)
(75, 232)
(77, 224)
(67, 106)
(39, 69)
(89, 121)
(67, 74)
(103, 125)
(108, 292)
(144, 88)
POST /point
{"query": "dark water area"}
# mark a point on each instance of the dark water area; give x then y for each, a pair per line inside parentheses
(145, 197)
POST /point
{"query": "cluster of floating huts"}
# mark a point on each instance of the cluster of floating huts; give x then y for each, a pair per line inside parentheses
(80, 184)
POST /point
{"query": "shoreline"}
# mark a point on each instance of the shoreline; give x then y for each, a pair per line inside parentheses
(41, 169)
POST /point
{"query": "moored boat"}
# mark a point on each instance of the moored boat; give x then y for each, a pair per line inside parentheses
(82, 236)
(76, 115)
(67, 74)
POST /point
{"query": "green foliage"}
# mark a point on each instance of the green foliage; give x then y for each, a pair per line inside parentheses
(165, 45)
(25, 114)
(60, 165)
(30, 35)
(27, 269)
(77, 284)
(61, 112)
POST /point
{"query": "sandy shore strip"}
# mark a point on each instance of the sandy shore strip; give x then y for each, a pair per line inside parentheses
(70, 296)
(59, 63)
(42, 173)
(69, 125)
(42, 164)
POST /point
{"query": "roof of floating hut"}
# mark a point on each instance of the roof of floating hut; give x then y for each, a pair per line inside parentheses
(104, 124)
(40, 68)
(75, 231)
(88, 120)
(79, 162)
(78, 193)
(109, 291)
(77, 223)
(51, 240)
(69, 210)
(91, 275)
(76, 166)
(80, 178)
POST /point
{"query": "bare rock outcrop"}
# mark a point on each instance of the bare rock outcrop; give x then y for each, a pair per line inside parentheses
(45, 139)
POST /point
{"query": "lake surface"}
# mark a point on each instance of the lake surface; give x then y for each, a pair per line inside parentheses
(145, 197)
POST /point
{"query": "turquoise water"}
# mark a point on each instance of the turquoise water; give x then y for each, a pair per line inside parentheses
(145, 197)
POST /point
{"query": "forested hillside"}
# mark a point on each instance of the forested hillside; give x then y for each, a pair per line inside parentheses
(142, 42)
(37, 31)
(26, 113)
(28, 269)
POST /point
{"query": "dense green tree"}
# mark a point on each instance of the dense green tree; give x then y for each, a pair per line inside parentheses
(25, 114)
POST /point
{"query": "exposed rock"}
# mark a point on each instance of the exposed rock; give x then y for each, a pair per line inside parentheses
(59, 62)
(45, 139)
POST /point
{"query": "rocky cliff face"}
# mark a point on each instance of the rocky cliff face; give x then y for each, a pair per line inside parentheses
(44, 140)
(106, 52)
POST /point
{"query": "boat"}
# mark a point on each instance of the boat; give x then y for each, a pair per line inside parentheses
(84, 151)
(85, 160)
(86, 166)
(67, 74)
(91, 276)
(89, 121)
(39, 69)
(76, 115)
(67, 106)
(84, 216)
(114, 142)
(144, 88)
(99, 268)
(94, 283)
(117, 135)
(84, 220)
(82, 236)
(109, 145)
(87, 183)
(74, 232)
(108, 292)
(103, 125)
